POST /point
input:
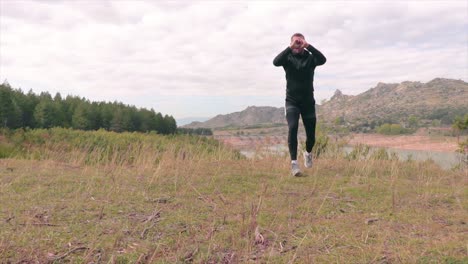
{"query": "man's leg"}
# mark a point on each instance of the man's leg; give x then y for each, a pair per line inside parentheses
(309, 120)
(292, 116)
(309, 125)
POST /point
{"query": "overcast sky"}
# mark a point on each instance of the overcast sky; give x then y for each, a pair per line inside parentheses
(203, 58)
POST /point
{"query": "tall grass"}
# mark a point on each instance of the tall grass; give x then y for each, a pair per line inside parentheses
(101, 197)
(104, 148)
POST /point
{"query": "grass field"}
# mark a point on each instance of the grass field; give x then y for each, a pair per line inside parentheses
(184, 199)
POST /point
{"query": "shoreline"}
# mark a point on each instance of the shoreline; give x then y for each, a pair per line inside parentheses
(415, 142)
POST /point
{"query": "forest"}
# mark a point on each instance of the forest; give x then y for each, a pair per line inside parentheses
(29, 110)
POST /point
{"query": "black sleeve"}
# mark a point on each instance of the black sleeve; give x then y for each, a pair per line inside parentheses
(281, 59)
(319, 59)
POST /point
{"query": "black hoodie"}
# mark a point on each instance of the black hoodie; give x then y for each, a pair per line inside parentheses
(299, 70)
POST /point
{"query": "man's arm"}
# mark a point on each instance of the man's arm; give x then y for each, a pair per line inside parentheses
(281, 59)
(319, 59)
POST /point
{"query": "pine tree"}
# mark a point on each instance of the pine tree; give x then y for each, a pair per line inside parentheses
(80, 118)
(44, 114)
(44, 111)
(6, 106)
(171, 125)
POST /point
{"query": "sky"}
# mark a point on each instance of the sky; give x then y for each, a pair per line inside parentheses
(203, 58)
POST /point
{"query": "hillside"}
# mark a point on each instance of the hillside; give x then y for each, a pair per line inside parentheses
(252, 115)
(436, 102)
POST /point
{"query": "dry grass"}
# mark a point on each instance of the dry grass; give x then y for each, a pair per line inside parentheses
(224, 210)
(215, 208)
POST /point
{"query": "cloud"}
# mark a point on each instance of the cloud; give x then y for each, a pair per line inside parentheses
(115, 50)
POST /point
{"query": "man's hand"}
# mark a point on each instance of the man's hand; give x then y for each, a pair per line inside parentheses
(296, 43)
(293, 44)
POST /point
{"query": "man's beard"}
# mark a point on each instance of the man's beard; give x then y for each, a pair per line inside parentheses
(298, 51)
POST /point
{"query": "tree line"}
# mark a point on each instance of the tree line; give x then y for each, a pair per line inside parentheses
(19, 109)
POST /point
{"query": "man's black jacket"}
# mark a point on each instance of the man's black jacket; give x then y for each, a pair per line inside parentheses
(299, 70)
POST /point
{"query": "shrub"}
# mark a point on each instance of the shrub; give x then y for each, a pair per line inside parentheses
(391, 129)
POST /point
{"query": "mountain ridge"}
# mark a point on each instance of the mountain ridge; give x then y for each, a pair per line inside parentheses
(252, 115)
(439, 99)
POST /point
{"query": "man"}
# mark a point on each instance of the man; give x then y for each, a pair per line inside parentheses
(299, 61)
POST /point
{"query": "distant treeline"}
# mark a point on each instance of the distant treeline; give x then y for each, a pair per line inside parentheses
(18, 109)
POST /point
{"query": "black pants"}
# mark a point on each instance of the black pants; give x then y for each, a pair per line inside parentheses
(306, 109)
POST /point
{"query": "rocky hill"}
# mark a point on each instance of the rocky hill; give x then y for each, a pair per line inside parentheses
(252, 115)
(439, 100)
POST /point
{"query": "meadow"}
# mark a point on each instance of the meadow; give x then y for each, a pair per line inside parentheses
(70, 196)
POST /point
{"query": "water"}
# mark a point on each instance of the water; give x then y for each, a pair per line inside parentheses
(446, 160)
(270, 150)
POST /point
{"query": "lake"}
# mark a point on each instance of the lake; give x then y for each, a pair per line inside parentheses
(446, 160)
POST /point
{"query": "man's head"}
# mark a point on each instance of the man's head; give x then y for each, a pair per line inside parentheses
(297, 41)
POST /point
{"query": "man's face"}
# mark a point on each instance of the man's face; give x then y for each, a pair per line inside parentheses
(297, 42)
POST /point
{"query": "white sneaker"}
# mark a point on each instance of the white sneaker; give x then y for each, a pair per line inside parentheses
(307, 159)
(295, 171)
